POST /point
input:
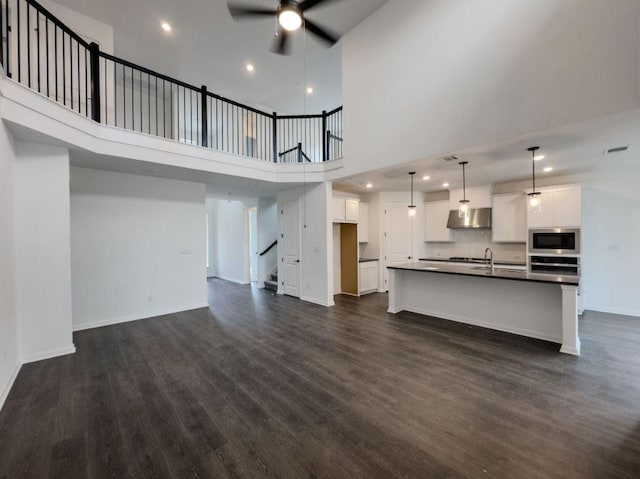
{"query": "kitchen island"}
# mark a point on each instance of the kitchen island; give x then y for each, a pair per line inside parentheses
(541, 306)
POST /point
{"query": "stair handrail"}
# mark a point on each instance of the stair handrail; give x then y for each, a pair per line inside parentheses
(269, 248)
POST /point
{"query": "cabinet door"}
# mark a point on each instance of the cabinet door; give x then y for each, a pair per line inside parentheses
(567, 207)
(543, 218)
(351, 211)
(338, 210)
(368, 276)
(363, 223)
(509, 219)
(437, 215)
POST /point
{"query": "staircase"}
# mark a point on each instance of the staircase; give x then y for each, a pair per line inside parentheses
(272, 284)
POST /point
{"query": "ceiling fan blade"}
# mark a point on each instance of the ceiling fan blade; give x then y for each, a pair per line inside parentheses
(309, 4)
(330, 38)
(244, 12)
(282, 43)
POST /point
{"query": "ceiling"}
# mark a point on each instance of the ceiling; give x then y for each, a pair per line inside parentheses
(568, 150)
(206, 46)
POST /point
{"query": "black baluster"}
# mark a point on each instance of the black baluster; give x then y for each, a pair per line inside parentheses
(95, 81)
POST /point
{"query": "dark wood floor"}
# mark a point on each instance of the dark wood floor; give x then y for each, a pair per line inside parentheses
(268, 386)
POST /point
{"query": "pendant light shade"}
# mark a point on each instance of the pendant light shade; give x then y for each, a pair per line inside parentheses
(412, 206)
(463, 209)
(535, 197)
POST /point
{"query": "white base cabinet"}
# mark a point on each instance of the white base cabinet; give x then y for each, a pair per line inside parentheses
(368, 277)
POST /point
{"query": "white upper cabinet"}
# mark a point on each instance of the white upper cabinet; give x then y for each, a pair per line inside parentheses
(436, 217)
(561, 208)
(351, 211)
(478, 197)
(339, 211)
(345, 210)
(509, 218)
(363, 223)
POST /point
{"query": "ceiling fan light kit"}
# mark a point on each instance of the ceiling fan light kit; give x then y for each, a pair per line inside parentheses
(290, 16)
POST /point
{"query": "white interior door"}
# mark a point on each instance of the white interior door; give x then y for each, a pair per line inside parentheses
(397, 235)
(290, 236)
(253, 244)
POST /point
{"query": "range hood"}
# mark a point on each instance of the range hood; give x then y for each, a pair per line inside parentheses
(478, 218)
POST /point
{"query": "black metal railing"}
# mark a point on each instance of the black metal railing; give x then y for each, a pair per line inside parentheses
(294, 155)
(40, 51)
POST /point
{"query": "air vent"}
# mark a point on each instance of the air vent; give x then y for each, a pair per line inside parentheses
(450, 158)
(617, 149)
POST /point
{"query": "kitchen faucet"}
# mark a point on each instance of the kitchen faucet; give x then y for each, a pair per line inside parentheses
(490, 260)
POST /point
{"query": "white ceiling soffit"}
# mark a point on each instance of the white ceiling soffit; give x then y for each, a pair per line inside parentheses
(206, 46)
(568, 150)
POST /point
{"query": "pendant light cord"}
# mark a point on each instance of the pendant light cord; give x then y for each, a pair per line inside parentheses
(533, 150)
(304, 109)
(464, 184)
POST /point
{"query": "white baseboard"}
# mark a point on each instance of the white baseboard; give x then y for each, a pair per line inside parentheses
(483, 324)
(52, 353)
(571, 350)
(135, 317)
(9, 384)
(233, 280)
(622, 312)
(328, 304)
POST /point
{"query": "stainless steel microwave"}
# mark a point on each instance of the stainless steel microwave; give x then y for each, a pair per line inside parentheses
(554, 241)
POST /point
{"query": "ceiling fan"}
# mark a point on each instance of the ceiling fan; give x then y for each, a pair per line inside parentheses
(289, 15)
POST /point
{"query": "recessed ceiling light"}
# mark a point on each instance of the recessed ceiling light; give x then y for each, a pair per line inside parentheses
(309, 90)
(548, 169)
(445, 185)
(165, 26)
(538, 157)
(250, 67)
(426, 177)
(369, 185)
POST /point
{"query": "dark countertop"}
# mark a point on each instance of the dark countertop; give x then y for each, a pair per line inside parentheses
(367, 260)
(468, 270)
(475, 261)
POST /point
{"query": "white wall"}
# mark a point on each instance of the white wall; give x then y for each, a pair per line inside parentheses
(610, 246)
(316, 255)
(212, 225)
(138, 246)
(42, 246)
(424, 77)
(267, 234)
(9, 357)
(86, 27)
(232, 238)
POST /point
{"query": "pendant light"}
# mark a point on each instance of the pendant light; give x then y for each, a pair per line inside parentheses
(535, 200)
(412, 207)
(463, 210)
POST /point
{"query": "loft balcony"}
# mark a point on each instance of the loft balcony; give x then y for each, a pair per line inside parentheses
(42, 53)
